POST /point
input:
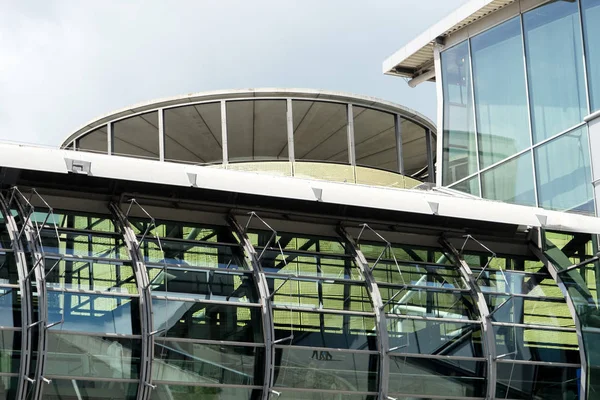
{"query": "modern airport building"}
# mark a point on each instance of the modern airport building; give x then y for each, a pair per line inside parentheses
(267, 244)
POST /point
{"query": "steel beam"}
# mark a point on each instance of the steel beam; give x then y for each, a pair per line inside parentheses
(143, 284)
(25, 293)
(383, 343)
(260, 281)
(487, 328)
(536, 249)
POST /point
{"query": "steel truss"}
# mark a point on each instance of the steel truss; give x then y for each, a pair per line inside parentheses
(487, 330)
(260, 280)
(383, 343)
(143, 284)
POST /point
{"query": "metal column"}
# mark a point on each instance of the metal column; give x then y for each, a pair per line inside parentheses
(25, 293)
(378, 308)
(143, 284)
(484, 312)
(267, 315)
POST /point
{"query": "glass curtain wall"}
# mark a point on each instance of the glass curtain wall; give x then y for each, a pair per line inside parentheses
(529, 86)
(94, 342)
(206, 312)
(11, 326)
(433, 324)
(323, 317)
(591, 28)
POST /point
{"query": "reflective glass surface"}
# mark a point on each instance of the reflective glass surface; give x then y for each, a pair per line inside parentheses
(434, 337)
(84, 244)
(523, 381)
(185, 319)
(591, 16)
(556, 89)
(8, 387)
(10, 354)
(316, 395)
(106, 276)
(518, 343)
(94, 313)
(92, 356)
(429, 275)
(203, 363)
(177, 392)
(459, 157)
(137, 136)
(10, 307)
(375, 139)
(469, 186)
(526, 310)
(511, 181)
(304, 368)
(8, 268)
(534, 284)
(95, 141)
(62, 389)
(437, 377)
(500, 98)
(565, 185)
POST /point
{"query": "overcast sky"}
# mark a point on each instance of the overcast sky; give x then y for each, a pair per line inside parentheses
(63, 63)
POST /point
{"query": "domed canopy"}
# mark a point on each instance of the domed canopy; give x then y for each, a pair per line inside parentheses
(266, 125)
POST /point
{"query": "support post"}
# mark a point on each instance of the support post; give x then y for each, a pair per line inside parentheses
(484, 312)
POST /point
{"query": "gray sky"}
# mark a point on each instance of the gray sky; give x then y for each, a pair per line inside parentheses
(63, 62)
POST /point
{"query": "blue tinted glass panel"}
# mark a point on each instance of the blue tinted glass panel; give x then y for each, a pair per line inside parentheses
(511, 181)
(565, 182)
(460, 158)
(470, 186)
(591, 27)
(554, 68)
(500, 98)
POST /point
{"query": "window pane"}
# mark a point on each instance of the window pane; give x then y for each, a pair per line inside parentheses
(554, 68)
(8, 387)
(83, 355)
(470, 186)
(60, 389)
(176, 392)
(10, 352)
(414, 148)
(193, 133)
(437, 377)
(95, 141)
(523, 381)
(459, 137)
(204, 363)
(536, 345)
(257, 130)
(375, 139)
(320, 131)
(10, 307)
(300, 368)
(565, 183)
(500, 98)
(87, 275)
(417, 274)
(8, 268)
(591, 16)
(137, 136)
(511, 181)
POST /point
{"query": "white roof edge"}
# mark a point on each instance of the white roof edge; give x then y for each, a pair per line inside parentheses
(441, 28)
(250, 92)
(401, 200)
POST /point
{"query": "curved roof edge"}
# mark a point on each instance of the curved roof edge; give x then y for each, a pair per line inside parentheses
(253, 92)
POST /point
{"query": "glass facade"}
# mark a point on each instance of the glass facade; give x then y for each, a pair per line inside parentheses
(527, 143)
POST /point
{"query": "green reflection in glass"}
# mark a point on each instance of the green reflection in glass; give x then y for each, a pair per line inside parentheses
(180, 392)
(511, 181)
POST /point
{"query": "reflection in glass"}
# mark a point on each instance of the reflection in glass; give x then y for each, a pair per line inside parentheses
(207, 285)
(430, 275)
(186, 319)
(106, 276)
(526, 310)
(92, 356)
(326, 330)
(61, 389)
(193, 133)
(8, 268)
(500, 98)
(316, 395)
(10, 307)
(469, 186)
(304, 368)
(187, 253)
(591, 16)
(94, 313)
(177, 392)
(565, 185)
(435, 337)
(84, 244)
(258, 130)
(10, 354)
(459, 158)
(511, 181)
(526, 381)
(209, 364)
(8, 387)
(95, 141)
(530, 344)
(556, 89)
(437, 377)
(536, 284)
(429, 302)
